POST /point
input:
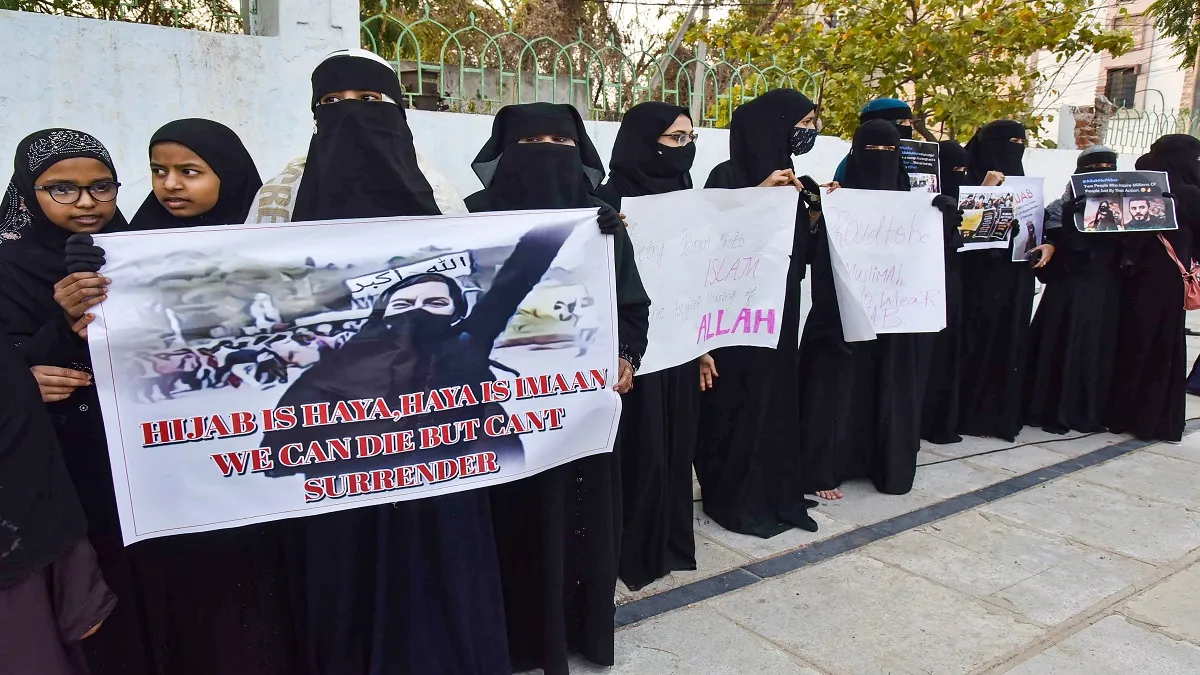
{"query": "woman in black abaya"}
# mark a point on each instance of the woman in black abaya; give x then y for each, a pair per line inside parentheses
(997, 302)
(861, 401)
(747, 457)
(1072, 339)
(939, 415)
(64, 183)
(557, 533)
(1148, 386)
(412, 587)
(653, 154)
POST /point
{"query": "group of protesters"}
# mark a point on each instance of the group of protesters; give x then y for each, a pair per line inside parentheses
(520, 576)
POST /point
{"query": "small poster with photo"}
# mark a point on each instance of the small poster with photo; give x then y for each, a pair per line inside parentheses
(922, 165)
(1029, 210)
(988, 215)
(1124, 201)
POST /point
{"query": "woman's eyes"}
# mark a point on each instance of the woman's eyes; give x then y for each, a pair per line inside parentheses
(331, 99)
(438, 302)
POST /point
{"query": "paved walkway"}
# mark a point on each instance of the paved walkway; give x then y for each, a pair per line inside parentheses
(1066, 555)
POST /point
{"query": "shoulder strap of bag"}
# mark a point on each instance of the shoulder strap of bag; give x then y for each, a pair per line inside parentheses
(1171, 252)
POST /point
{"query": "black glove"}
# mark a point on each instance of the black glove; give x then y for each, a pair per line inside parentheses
(811, 194)
(1169, 195)
(83, 255)
(610, 220)
(947, 205)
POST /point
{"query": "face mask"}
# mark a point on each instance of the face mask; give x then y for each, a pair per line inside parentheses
(803, 140)
(669, 162)
(418, 327)
(906, 132)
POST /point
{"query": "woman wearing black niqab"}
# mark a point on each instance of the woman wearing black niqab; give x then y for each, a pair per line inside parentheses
(939, 415)
(557, 533)
(658, 418)
(861, 401)
(32, 261)
(223, 153)
(1072, 338)
(997, 304)
(748, 454)
(1148, 386)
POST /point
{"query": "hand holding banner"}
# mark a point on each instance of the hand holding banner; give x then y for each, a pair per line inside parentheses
(888, 262)
(715, 264)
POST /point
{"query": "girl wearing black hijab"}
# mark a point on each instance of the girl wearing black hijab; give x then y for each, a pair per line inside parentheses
(939, 415)
(52, 595)
(557, 533)
(64, 183)
(1072, 339)
(861, 401)
(653, 154)
(997, 301)
(1148, 387)
(202, 175)
(748, 454)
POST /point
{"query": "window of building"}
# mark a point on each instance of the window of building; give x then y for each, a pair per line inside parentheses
(1135, 25)
(1121, 86)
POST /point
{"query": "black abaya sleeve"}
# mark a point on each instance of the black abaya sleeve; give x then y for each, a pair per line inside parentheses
(633, 303)
(517, 276)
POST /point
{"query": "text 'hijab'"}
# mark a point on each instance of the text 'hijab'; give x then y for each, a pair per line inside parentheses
(223, 151)
(361, 160)
(641, 165)
(28, 240)
(761, 132)
(997, 146)
(952, 157)
(874, 162)
(521, 176)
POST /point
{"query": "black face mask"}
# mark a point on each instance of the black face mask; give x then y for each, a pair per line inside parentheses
(418, 328)
(669, 162)
(540, 176)
(803, 140)
(906, 132)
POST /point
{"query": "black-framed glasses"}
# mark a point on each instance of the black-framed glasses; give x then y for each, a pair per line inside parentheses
(682, 137)
(69, 193)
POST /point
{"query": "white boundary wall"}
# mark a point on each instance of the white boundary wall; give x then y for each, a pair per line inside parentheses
(121, 81)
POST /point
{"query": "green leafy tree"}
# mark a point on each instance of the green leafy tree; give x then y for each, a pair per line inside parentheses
(214, 15)
(1179, 21)
(959, 64)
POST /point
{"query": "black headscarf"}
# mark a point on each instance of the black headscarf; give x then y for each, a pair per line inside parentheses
(760, 135)
(32, 257)
(40, 515)
(519, 176)
(952, 154)
(1176, 154)
(869, 169)
(220, 148)
(992, 149)
(361, 160)
(640, 165)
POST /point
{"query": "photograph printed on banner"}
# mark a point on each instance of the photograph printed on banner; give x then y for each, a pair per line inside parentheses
(324, 358)
(1029, 214)
(989, 217)
(922, 165)
(1124, 201)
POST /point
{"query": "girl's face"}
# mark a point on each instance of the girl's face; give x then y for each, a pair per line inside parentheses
(353, 95)
(809, 121)
(183, 183)
(431, 296)
(87, 186)
(679, 134)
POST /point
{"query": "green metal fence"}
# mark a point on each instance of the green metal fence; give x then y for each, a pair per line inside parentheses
(218, 16)
(469, 69)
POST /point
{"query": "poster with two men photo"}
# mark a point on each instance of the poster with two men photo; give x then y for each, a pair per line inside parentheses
(1124, 201)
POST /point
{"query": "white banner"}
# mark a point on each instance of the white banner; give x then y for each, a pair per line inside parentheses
(1030, 212)
(888, 262)
(255, 373)
(714, 263)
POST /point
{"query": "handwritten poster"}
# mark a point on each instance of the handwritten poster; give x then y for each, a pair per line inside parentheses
(888, 262)
(715, 264)
(243, 379)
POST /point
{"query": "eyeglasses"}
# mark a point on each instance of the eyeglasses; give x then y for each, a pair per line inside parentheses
(682, 137)
(68, 193)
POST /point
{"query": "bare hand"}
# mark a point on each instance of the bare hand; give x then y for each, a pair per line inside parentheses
(80, 326)
(1046, 251)
(92, 631)
(57, 384)
(832, 185)
(624, 383)
(781, 177)
(708, 370)
(993, 178)
(81, 291)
